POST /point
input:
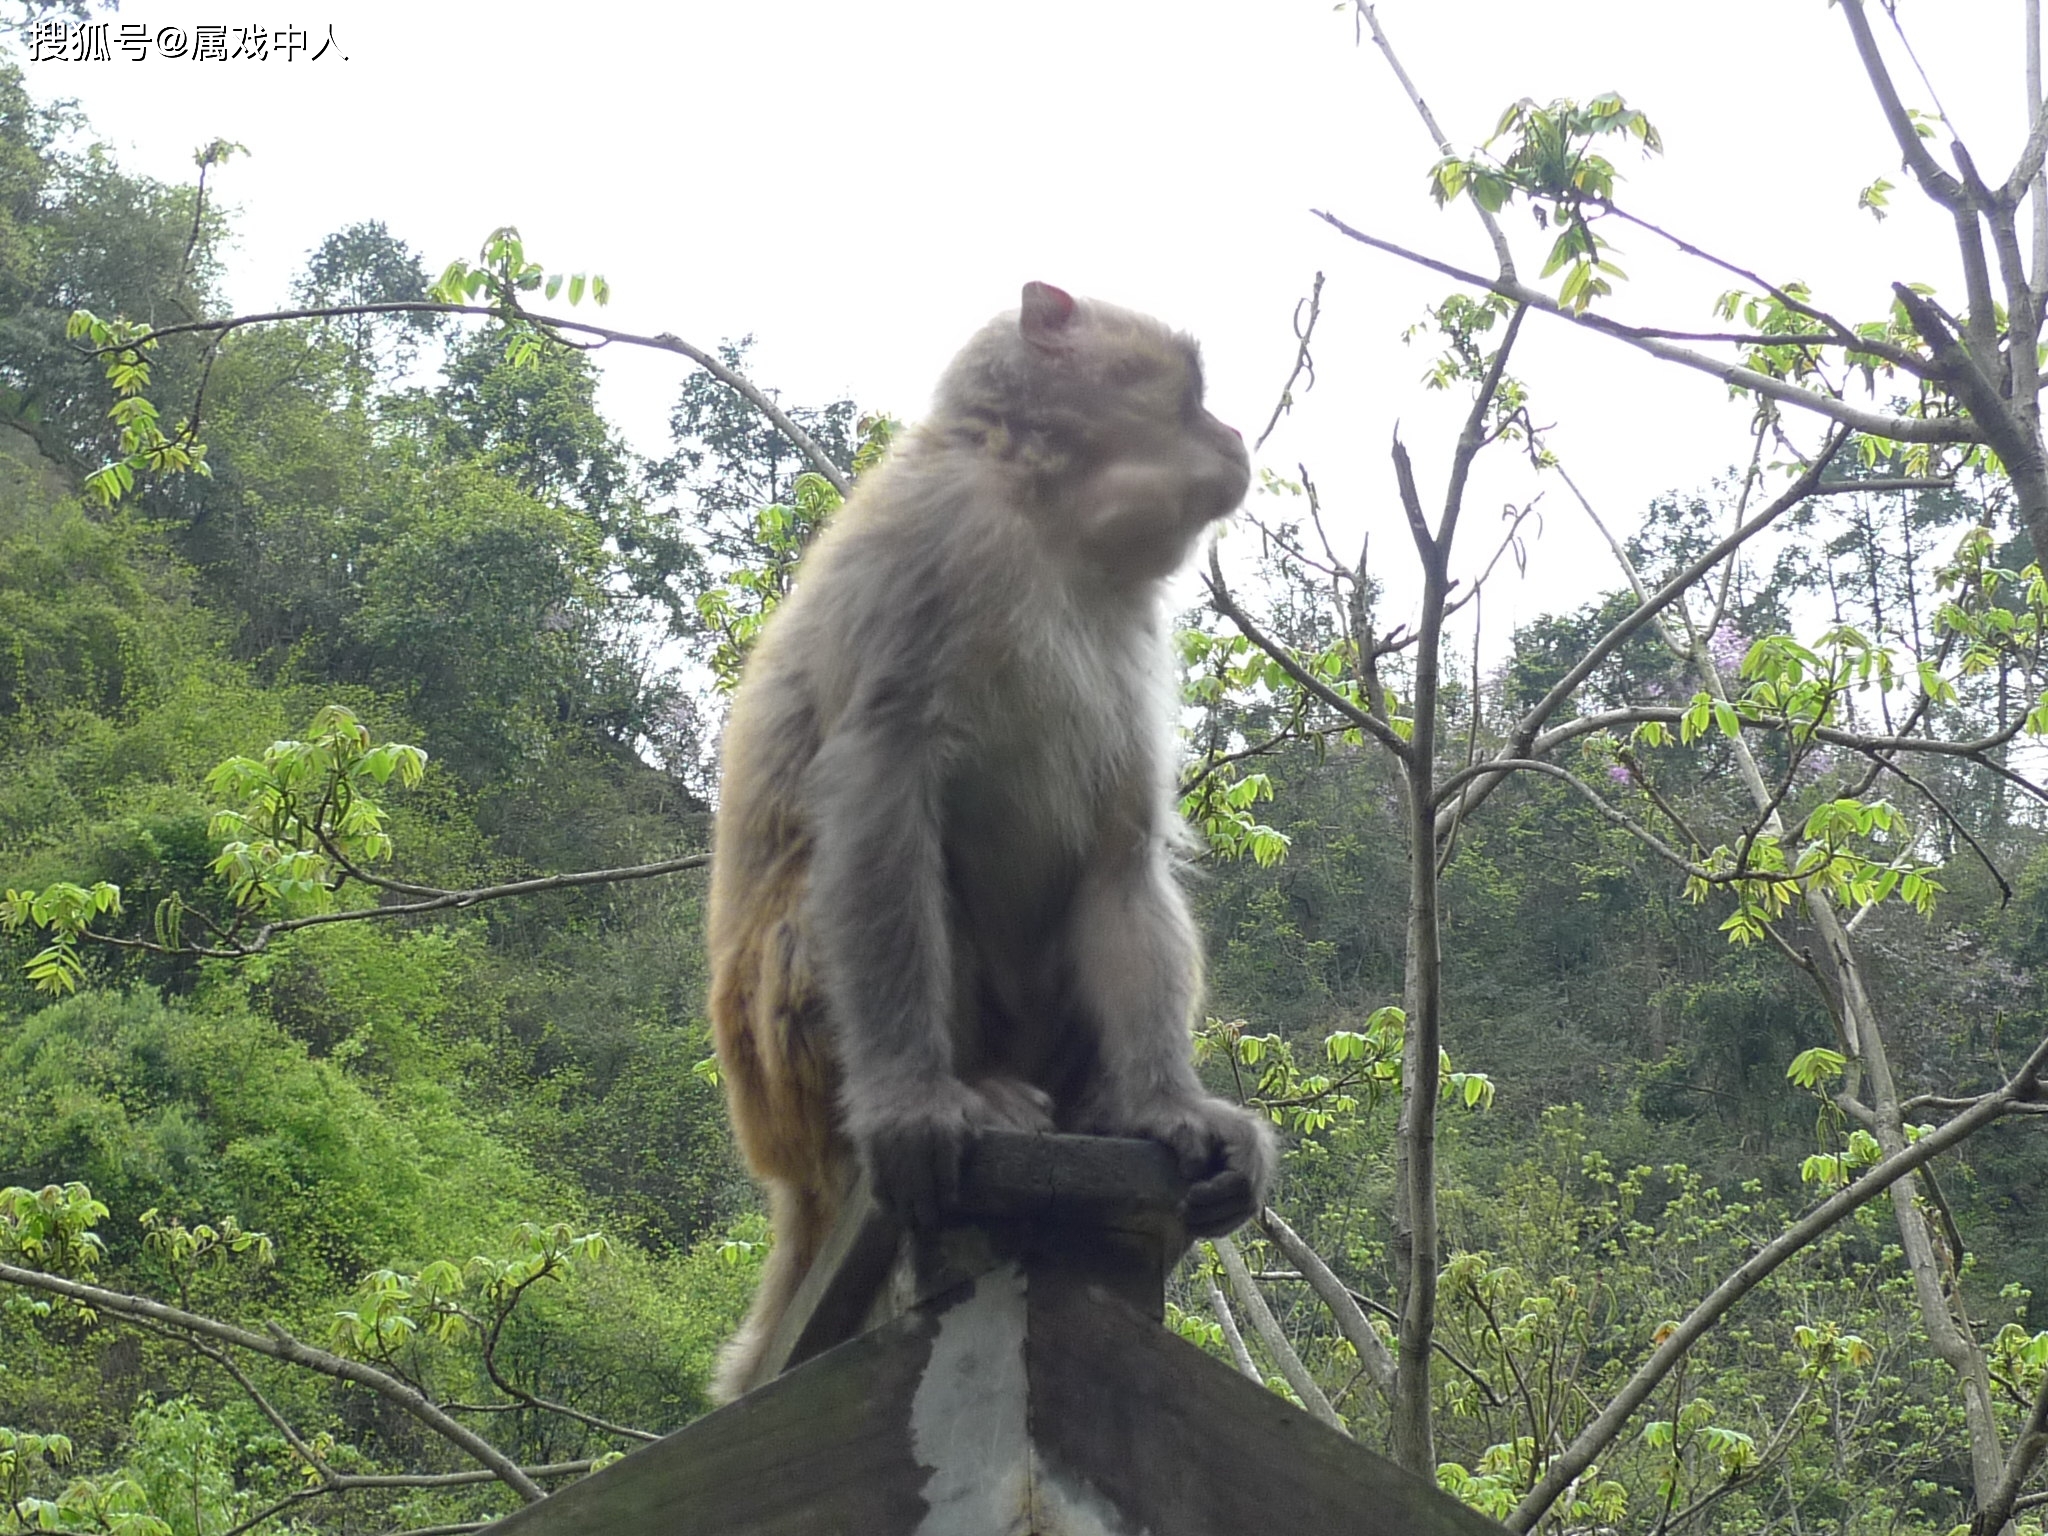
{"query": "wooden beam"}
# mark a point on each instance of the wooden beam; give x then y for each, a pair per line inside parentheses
(1024, 1388)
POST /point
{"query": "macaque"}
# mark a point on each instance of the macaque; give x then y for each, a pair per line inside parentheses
(943, 891)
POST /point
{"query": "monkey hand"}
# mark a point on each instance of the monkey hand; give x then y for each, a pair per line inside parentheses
(915, 1147)
(1225, 1152)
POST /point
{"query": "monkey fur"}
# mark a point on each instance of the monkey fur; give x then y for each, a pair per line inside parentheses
(943, 891)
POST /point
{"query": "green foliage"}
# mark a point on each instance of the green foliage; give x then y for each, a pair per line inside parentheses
(502, 272)
(145, 448)
(1544, 1337)
(181, 1466)
(117, 1505)
(1360, 1068)
(392, 1308)
(1548, 159)
(305, 811)
(52, 1228)
(300, 821)
(761, 565)
(1220, 808)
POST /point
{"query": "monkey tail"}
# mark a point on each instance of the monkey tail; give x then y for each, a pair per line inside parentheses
(799, 1218)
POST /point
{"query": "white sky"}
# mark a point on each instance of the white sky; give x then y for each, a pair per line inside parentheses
(861, 185)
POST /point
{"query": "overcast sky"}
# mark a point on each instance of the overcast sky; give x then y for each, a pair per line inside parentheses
(861, 185)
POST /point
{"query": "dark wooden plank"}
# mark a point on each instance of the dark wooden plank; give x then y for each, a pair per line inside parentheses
(1175, 1441)
(824, 1451)
(836, 1298)
(1010, 1179)
(1081, 1180)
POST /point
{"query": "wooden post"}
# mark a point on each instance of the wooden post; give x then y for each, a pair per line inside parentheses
(1003, 1375)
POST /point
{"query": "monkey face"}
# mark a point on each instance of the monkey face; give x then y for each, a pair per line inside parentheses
(1104, 407)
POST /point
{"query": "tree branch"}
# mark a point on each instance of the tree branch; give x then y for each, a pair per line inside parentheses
(1304, 332)
(1502, 252)
(1220, 1305)
(1373, 1355)
(2021, 1088)
(1905, 429)
(445, 901)
(2027, 1449)
(1522, 738)
(279, 1345)
(665, 342)
(1246, 1290)
(1936, 182)
(1221, 600)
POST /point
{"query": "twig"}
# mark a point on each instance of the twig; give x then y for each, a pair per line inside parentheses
(1737, 375)
(1225, 604)
(504, 1384)
(443, 902)
(1955, 824)
(1303, 363)
(1502, 252)
(1521, 739)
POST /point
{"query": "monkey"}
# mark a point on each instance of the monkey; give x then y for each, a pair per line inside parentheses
(944, 890)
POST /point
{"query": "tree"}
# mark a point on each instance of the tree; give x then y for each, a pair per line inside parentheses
(365, 264)
(1797, 855)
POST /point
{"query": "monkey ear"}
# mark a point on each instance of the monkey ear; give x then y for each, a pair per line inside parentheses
(1046, 314)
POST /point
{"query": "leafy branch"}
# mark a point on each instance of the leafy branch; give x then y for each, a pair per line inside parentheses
(495, 287)
(305, 820)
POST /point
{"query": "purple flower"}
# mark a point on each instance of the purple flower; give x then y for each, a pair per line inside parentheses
(1617, 774)
(1727, 647)
(1813, 765)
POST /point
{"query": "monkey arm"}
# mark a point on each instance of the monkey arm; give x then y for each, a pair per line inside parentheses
(875, 911)
(1137, 968)
(876, 916)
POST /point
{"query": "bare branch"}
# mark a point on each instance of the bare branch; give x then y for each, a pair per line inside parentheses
(1472, 437)
(1461, 781)
(1955, 824)
(1221, 600)
(1522, 738)
(1502, 253)
(1220, 1305)
(1267, 1327)
(1372, 1350)
(1304, 331)
(279, 1345)
(2027, 1449)
(511, 1389)
(445, 901)
(1838, 333)
(1906, 429)
(1936, 182)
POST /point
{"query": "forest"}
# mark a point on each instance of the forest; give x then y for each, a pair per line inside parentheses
(1650, 1003)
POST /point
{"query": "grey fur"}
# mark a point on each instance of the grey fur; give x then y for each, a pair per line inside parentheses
(972, 703)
